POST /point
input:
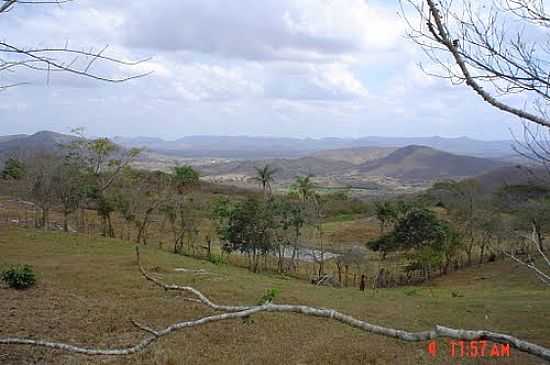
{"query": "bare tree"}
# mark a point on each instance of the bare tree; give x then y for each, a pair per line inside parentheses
(498, 48)
(51, 60)
(541, 270)
(68, 182)
(103, 162)
(40, 185)
(229, 312)
(480, 44)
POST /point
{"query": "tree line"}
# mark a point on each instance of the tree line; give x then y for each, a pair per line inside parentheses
(441, 230)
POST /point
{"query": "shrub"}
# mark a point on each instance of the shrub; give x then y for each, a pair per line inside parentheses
(269, 295)
(216, 259)
(19, 277)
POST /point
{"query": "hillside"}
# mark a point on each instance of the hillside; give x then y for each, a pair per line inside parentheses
(356, 156)
(425, 163)
(35, 143)
(12, 137)
(459, 145)
(287, 169)
(88, 290)
(491, 181)
(346, 167)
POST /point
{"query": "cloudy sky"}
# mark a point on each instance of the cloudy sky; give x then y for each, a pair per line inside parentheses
(301, 68)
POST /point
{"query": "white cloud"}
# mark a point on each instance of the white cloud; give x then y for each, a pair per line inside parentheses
(280, 67)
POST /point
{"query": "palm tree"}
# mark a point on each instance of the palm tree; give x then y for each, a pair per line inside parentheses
(265, 176)
(304, 187)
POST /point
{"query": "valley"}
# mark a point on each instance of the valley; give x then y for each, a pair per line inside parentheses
(274, 182)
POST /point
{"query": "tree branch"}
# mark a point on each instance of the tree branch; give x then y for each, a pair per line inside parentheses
(442, 36)
(241, 312)
(57, 59)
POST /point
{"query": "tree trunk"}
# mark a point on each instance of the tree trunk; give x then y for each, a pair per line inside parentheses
(280, 260)
(82, 220)
(44, 220)
(539, 236)
(142, 226)
(346, 272)
(446, 266)
(65, 221)
(293, 259)
(111, 231)
(469, 250)
(482, 253)
(254, 259)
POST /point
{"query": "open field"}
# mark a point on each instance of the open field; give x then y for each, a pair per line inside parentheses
(89, 290)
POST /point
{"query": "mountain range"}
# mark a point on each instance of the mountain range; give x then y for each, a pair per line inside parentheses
(416, 162)
(244, 147)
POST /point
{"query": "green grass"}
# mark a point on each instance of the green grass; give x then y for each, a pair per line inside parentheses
(89, 289)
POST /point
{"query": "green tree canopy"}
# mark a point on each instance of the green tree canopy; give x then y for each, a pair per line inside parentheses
(185, 176)
(13, 169)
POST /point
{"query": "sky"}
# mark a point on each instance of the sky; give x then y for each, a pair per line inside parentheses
(302, 68)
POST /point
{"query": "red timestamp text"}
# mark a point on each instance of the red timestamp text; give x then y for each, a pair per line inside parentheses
(471, 349)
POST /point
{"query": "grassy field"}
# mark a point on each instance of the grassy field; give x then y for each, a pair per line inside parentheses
(89, 289)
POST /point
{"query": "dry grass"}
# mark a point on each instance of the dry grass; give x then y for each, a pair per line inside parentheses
(343, 235)
(89, 289)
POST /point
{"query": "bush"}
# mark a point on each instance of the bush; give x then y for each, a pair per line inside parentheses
(19, 277)
(269, 295)
(216, 259)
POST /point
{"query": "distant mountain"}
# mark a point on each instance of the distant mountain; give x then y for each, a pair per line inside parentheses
(407, 164)
(423, 163)
(12, 137)
(356, 155)
(307, 156)
(249, 148)
(39, 142)
(460, 145)
(244, 147)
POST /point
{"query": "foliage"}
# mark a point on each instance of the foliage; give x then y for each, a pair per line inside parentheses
(418, 228)
(19, 277)
(390, 212)
(269, 295)
(216, 259)
(384, 244)
(265, 176)
(247, 227)
(256, 227)
(180, 211)
(13, 169)
(428, 241)
(304, 187)
(185, 176)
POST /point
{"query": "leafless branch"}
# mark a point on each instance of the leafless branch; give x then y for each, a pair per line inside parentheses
(52, 59)
(476, 45)
(236, 312)
(542, 273)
